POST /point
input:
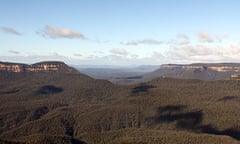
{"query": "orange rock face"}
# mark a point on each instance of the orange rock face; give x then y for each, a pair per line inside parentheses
(43, 67)
(201, 67)
(11, 68)
(38, 67)
(47, 66)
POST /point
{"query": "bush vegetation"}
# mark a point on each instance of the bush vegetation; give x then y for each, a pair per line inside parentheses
(74, 108)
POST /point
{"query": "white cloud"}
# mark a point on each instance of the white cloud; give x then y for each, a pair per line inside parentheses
(119, 51)
(184, 42)
(205, 37)
(144, 41)
(172, 42)
(78, 55)
(134, 56)
(55, 32)
(183, 39)
(221, 37)
(182, 36)
(92, 57)
(11, 31)
(210, 38)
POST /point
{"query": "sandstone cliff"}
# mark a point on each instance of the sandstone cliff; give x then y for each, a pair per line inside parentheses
(201, 71)
(49, 66)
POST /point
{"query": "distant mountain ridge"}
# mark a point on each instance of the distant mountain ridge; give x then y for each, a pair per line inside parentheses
(47, 66)
(220, 67)
(202, 71)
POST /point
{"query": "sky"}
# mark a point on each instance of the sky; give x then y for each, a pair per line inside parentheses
(120, 32)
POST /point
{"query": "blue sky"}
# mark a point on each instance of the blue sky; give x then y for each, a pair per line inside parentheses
(120, 32)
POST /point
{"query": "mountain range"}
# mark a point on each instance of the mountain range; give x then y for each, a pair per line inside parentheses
(201, 71)
(65, 106)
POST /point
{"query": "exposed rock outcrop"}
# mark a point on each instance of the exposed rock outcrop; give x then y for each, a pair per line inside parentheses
(225, 67)
(50, 66)
(202, 71)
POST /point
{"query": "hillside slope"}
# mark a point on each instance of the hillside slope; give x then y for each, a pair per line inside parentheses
(74, 108)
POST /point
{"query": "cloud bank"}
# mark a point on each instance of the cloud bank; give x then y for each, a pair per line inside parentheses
(179, 49)
(204, 53)
(179, 54)
(78, 55)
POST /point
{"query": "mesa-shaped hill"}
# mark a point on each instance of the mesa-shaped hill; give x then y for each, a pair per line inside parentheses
(49, 107)
(207, 71)
(48, 66)
(48, 103)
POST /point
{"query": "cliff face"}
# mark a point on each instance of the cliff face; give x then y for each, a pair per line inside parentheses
(215, 67)
(51, 66)
(202, 71)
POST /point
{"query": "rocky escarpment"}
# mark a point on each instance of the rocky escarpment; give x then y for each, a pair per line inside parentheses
(202, 71)
(224, 67)
(50, 66)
